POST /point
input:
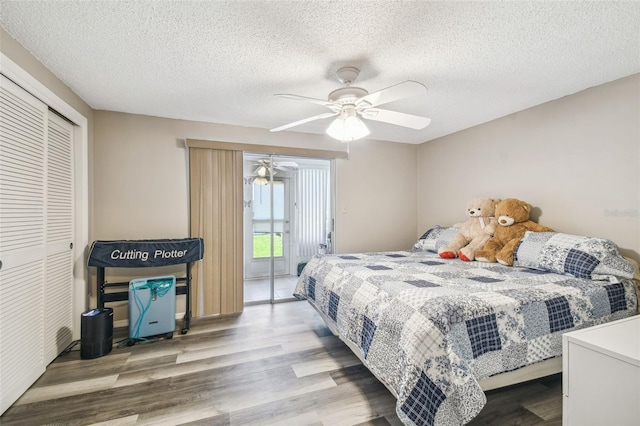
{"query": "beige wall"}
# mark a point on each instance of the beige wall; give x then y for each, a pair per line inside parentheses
(140, 170)
(376, 197)
(577, 159)
(140, 184)
(140, 180)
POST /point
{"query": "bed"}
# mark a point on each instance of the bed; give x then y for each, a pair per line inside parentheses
(438, 332)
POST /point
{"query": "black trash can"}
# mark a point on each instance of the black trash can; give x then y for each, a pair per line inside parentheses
(96, 333)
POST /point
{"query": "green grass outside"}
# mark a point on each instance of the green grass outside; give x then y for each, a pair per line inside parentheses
(262, 245)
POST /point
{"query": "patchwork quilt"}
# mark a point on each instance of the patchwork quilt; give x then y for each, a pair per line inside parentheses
(430, 328)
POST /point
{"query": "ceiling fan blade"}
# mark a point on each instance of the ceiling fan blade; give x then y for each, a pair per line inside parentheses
(286, 163)
(403, 90)
(305, 120)
(322, 102)
(264, 165)
(397, 118)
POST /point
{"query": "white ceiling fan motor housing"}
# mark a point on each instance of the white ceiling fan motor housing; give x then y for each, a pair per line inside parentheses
(347, 95)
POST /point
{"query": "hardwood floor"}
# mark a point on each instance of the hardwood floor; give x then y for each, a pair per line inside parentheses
(273, 365)
(258, 290)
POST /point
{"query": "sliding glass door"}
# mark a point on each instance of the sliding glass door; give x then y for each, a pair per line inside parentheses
(288, 217)
(267, 228)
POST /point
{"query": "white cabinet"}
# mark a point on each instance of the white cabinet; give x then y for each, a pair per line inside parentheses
(601, 375)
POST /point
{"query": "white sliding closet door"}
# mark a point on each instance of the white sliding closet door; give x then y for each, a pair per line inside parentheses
(36, 231)
(58, 288)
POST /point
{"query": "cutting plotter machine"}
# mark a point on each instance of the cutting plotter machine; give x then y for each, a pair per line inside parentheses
(144, 254)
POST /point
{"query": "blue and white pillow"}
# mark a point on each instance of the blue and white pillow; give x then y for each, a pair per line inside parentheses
(434, 238)
(579, 256)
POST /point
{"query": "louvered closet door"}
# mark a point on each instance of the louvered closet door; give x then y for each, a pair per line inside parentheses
(23, 135)
(58, 288)
(36, 218)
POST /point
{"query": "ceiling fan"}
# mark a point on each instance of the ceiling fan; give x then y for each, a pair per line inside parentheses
(264, 170)
(349, 102)
(264, 165)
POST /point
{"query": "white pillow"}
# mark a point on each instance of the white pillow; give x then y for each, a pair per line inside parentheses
(579, 256)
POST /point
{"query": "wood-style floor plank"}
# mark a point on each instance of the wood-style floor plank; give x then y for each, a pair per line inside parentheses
(273, 365)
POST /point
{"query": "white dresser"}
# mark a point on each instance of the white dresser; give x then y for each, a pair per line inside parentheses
(601, 375)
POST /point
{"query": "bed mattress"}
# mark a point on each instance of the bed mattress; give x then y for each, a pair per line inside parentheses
(430, 328)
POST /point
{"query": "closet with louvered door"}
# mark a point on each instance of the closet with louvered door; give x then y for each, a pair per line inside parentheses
(58, 289)
(36, 235)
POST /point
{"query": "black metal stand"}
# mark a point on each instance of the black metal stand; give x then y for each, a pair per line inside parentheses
(183, 286)
(145, 254)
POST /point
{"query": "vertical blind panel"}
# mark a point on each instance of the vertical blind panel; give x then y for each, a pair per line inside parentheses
(58, 313)
(22, 167)
(313, 210)
(59, 181)
(212, 298)
(21, 307)
(231, 225)
(215, 179)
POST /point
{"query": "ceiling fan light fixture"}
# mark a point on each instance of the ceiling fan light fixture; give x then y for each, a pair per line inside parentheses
(263, 175)
(347, 128)
(261, 180)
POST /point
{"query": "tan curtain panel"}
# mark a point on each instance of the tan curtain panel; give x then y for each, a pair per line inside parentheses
(215, 182)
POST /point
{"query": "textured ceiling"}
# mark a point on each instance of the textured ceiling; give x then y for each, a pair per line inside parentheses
(222, 61)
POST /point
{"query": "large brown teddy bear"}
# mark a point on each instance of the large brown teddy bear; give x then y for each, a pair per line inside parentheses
(513, 221)
(473, 233)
